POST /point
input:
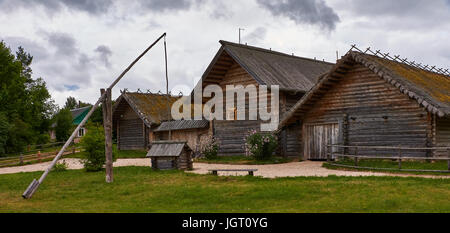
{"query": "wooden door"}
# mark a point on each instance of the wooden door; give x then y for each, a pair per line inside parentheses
(316, 139)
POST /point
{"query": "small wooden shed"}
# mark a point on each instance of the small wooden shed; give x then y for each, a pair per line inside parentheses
(166, 155)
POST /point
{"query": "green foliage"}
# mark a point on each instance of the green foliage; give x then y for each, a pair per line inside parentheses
(43, 139)
(4, 132)
(210, 149)
(94, 144)
(25, 103)
(72, 103)
(63, 125)
(261, 145)
(60, 167)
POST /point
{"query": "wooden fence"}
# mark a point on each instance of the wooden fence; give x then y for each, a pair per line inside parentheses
(333, 155)
(37, 157)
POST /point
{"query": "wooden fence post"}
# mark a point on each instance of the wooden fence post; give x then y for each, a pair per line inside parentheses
(329, 152)
(356, 156)
(107, 125)
(39, 156)
(21, 159)
(400, 158)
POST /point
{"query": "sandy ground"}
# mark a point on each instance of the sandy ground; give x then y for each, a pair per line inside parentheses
(306, 168)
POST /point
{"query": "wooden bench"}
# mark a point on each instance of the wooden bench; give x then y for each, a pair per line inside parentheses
(250, 171)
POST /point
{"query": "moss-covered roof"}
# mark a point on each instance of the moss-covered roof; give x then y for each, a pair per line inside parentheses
(151, 108)
(430, 90)
(432, 86)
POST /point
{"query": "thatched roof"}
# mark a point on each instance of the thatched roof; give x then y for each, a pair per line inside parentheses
(267, 67)
(182, 125)
(166, 148)
(151, 108)
(430, 90)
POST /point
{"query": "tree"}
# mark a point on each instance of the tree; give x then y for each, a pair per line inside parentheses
(26, 106)
(63, 124)
(94, 144)
(71, 103)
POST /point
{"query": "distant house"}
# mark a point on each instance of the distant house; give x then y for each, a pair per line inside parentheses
(78, 115)
(137, 115)
(237, 64)
(367, 100)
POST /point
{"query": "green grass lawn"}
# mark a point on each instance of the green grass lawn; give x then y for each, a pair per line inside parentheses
(121, 154)
(139, 189)
(240, 159)
(378, 163)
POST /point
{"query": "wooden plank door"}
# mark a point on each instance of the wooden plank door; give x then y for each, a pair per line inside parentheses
(316, 139)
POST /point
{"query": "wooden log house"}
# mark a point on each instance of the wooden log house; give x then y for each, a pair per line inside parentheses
(237, 64)
(137, 115)
(367, 100)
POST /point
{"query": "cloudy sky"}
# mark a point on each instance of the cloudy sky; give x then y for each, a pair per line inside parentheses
(80, 46)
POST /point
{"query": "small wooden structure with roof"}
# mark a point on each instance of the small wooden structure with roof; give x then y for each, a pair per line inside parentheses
(170, 155)
(136, 115)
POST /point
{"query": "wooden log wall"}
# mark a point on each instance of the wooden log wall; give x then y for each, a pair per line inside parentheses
(195, 138)
(442, 135)
(131, 129)
(378, 114)
(230, 135)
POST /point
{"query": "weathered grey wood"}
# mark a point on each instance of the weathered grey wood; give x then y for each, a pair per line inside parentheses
(107, 125)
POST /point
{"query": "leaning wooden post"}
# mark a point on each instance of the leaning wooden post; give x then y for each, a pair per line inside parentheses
(400, 158)
(107, 125)
(34, 185)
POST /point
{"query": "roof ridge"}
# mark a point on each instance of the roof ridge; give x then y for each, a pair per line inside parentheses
(223, 42)
(75, 109)
(413, 64)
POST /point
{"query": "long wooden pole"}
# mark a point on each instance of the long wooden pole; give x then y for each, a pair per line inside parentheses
(35, 184)
(107, 126)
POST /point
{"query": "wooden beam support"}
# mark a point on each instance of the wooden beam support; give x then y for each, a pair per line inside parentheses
(107, 125)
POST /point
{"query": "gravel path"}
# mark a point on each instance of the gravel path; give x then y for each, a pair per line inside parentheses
(306, 168)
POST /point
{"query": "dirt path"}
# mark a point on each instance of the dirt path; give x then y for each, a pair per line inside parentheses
(306, 168)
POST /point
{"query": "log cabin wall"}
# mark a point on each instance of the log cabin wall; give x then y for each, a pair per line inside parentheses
(195, 138)
(231, 133)
(290, 138)
(378, 114)
(131, 131)
(442, 135)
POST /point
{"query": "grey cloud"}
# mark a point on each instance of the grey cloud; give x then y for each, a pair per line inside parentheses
(314, 12)
(64, 43)
(256, 35)
(104, 52)
(92, 7)
(38, 51)
(399, 8)
(96, 7)
(163, 5)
